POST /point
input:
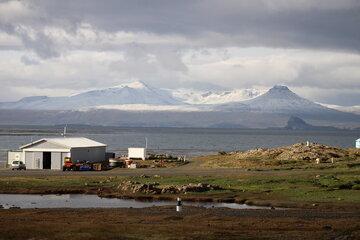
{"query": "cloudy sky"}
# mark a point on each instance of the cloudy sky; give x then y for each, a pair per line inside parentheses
(54, 48)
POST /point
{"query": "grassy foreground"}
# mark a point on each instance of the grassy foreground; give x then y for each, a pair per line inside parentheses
(301, 188)
(164, 223)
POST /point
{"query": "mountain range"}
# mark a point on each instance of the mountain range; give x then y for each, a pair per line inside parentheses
(132, 93)
(138, 104)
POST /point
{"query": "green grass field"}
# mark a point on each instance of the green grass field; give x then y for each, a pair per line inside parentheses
(331, 186)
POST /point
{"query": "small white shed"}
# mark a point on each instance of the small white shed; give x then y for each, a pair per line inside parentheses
(14, 156)
(357, 144)
(137, 153)
(49, 153)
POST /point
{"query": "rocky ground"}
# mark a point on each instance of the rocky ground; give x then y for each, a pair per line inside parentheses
(297, 155)
(154, 188)
(301, 151)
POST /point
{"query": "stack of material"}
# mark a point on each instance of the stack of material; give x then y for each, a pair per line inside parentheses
(116, 162)
(97, 166)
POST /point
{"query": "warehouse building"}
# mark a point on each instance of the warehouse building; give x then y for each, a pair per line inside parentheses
(49, 153)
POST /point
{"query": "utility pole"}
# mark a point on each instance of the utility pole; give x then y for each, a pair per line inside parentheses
(64, 133)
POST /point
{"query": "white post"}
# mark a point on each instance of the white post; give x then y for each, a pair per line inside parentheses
(178, 205)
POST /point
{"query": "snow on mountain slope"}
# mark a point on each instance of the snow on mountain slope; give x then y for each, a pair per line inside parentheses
(132, 93)
(147, 107)
(278, 99)
(351, 109)
(215, 97)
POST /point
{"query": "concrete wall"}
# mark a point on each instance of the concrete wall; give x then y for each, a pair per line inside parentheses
(91, 154)
(358, 143)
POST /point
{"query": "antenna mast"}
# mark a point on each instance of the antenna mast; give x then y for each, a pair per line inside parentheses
(64, 133)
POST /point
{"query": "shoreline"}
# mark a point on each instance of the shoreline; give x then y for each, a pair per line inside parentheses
(149, 198)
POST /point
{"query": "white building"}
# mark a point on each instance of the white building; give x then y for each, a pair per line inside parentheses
(49, 153)
(137, 153)
(357, 144)
(14, 156)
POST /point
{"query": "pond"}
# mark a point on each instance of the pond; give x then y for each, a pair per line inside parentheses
(93, 201)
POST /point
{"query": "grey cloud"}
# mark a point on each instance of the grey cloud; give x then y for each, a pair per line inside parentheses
(171, 60)
(41, 44)
(324, 77)
(29, 61)
(154, 65)
(319, 24)
(342, 97)
(301, 24)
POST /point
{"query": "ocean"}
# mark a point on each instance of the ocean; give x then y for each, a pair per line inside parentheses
(189, 141)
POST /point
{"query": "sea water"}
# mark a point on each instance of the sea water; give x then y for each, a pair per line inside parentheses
(193, 141)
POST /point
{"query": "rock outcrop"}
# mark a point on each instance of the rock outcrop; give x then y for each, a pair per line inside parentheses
(299, 151)
(154, 188)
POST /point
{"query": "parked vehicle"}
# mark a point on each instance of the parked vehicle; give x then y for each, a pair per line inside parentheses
(69, 165)
(18, 165)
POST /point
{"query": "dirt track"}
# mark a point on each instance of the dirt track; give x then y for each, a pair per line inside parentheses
(187, 170)
(178, 171)
(165, 223)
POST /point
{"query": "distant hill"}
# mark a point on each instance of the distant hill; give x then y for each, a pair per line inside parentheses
(296, 123)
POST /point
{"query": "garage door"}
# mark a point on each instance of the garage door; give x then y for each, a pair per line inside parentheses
(33, 160)
(56, 162)
(29, 160)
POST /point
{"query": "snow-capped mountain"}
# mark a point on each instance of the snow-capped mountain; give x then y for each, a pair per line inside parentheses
(214, 97)
(278, 99)
(137, 104)
(132, 93)
(138, 96)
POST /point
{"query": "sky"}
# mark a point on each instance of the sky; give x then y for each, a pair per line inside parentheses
(56, 48)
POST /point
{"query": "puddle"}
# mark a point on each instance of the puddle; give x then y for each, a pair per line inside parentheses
(93, 201)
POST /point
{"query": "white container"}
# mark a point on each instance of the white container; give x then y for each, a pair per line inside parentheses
(137, 153)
